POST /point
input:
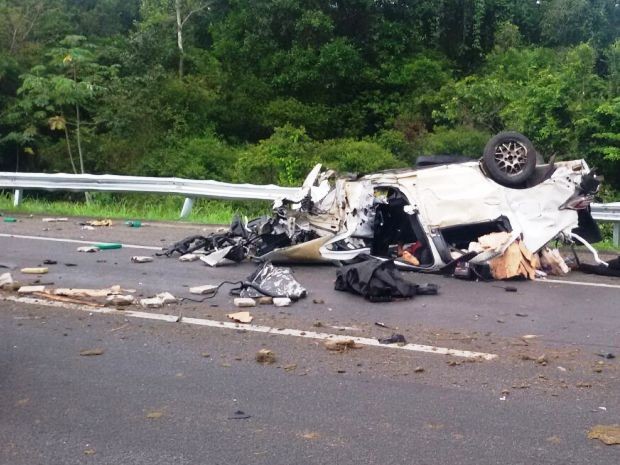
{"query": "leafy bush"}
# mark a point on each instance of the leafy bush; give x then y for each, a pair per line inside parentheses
(348, 155)
(459, 141)
(203, 157)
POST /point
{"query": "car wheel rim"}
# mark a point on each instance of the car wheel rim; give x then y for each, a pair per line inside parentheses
(511, 157)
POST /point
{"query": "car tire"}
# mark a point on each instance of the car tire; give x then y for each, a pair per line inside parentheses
(509, 158)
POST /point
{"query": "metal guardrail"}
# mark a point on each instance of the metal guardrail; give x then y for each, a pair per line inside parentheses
(608, 212)
(113, 183)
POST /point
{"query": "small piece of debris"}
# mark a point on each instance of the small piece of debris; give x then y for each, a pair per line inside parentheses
(205, 355)
(529, 336)
(50, 262)
(265, 300)
(341, 371)
(30, 289)
(317, 324)
(318, 301)
(265, 356)
(89, 451)
(91, 352)
(120, 300)
(241, 317)
(395, 338)
(54, 220)
(583, 384)
(341, 345)
(607, 355)
(244, 302)
(34, 270)
(141, 259)
(418, 370)
(522, 315)
(154, 415)
(281, 301)
(382, 325)
(607, 434)
(88, 249)
(239, 415)
(310, 436)
(188, 257)
(203, 290)
(291, 367)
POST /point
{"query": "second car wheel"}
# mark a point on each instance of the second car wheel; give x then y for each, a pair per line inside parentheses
(509, 158)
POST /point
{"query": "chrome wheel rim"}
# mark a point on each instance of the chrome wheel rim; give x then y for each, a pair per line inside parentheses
(511, 157)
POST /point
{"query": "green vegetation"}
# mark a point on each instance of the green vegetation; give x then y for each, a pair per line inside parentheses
(259, 90)
(140, 207)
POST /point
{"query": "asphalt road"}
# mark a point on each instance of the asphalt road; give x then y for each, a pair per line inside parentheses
(163, 393)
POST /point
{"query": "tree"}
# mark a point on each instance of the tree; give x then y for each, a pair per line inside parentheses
(57, 95)
(179, 11)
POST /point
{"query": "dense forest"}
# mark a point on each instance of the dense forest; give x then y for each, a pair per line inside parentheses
(259, 90)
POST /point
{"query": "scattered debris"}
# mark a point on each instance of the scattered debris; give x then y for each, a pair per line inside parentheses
(583, 384)
(418, 370)
(281, 301)
(155, 415)
(159, 300)
(203, 290)
(244, 302)
(552, 262)
(133, 223)
(239, 415)
(266, 300)
(607, 355)
(30, 289)
(71, 292)
(109, 245)
(50, 262)
(60, 298)
(607, 434)
(8, 219)
(395, 338)
(88, 249)
(91, 352)
(515, 259)
(120, 300)
(55, 220)
(99, 223)
(310, 435)
(188, 257)
(265, 356)
(341, 345)
(522, 315)
(87, 228)
(318, 301)
(241, 317)
(89, 452)
(378, 281)
(141, 259)
(382, 325)
(273, 281)
(34, 270)
(529, 336)
(6, 280)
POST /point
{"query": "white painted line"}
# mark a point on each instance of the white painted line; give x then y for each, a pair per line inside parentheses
(252, 328)
(75, 241)
(578, 283)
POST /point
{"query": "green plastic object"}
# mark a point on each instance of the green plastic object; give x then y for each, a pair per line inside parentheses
(8, 219)
(134, 223)
(109, 245)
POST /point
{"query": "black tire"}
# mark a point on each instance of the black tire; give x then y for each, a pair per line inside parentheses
(509, 158)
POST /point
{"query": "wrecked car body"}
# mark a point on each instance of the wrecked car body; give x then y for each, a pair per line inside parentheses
(427, 218)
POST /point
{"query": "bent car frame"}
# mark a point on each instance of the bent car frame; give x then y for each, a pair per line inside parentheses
(433, 212)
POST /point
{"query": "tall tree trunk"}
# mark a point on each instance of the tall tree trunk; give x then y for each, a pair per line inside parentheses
(78, 135)
(177, 6)
(69, 150)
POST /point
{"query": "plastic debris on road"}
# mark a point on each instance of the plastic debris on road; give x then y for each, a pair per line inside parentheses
(34, 270)
(141, 259)
(241, 317)
(607, 434)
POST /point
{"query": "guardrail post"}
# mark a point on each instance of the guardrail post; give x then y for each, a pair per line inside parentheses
(616, 238)
(17, 197)
(187, 207)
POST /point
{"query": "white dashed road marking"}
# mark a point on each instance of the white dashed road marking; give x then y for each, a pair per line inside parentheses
(75, 241)
(253, 328)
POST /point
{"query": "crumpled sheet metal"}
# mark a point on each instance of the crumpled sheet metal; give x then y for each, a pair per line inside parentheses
(277, 281)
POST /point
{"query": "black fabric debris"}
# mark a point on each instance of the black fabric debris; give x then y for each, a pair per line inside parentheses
(612, 270)
(378, 281)
(395, 338)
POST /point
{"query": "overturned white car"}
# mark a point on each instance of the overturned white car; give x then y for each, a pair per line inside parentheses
(433, 212)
